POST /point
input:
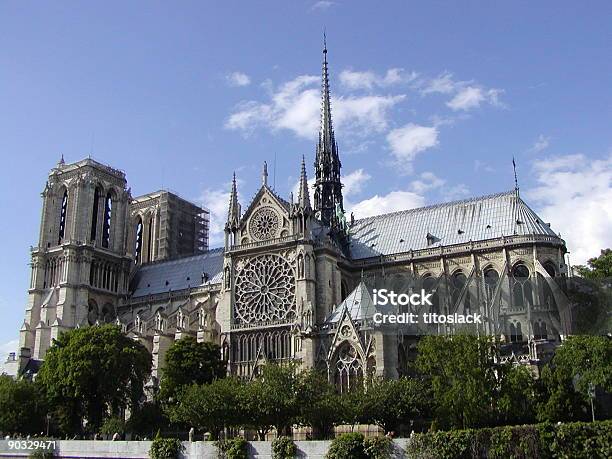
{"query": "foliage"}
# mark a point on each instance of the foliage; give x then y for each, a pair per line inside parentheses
(378, 447)
(283, 448)
(463, 376)
(517, 395)
(581, 361)
(347, 446)
(575, 440)
(234, 448)
(211, 407)
(598, 267)
(271, 400)
(389, 403)
(189, 362)
(320, 405)
(41, 454)
(91, 372)
(22, 406)
(147, 419)
(112, 426)
(591, 302)
(165, 448)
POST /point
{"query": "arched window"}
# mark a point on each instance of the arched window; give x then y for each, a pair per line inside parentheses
(108, 210)
(539, 330)
(429, 284)
(138, 249)
(521, 287)
(349, 369)
(458, 283)
(491, 278)
(92, 311)
(516, 334)
(62, 217)
(150, 239)
(94, 214)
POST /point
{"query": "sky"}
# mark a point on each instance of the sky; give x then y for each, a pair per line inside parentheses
(431, 101)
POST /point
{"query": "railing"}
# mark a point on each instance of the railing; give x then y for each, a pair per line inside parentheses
(269, 242)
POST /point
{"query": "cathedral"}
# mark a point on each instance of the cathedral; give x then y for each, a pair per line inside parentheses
(294, 279)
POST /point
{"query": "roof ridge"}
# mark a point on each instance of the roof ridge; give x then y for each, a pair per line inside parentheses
(441, 204)
(184, 258)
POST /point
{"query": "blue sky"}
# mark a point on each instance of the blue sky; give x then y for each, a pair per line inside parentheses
(431, 102)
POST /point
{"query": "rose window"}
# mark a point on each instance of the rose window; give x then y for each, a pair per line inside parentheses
(264, 223)
(265, 290)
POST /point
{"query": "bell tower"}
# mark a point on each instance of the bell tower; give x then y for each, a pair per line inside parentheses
(80, 268)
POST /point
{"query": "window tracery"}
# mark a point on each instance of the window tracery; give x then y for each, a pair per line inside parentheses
(264, 224)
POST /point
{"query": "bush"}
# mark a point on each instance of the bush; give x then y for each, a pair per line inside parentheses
(112, 426)
(572, 440)
(165, 448)
(41, 454)
(234, 448)
(283, 448)
(347, 446)
(378, 447)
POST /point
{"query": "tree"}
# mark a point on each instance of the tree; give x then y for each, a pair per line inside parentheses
(517, 395)
(389, 403)
(320, 405)
(598, 267)
(463, 378)
(210, 407)
(580, 362)
(22, 406)
(271, 399)
(189, 362)
(93, 373)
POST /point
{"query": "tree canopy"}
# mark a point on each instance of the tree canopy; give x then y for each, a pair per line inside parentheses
(598, 267)
(22, 406)
(93, 373)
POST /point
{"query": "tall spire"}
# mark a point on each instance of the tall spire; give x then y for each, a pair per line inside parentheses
(328, 187)
(303, 194)
(264, 174)
(233, 213)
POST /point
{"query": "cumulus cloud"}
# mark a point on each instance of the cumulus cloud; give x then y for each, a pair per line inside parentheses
(369, 79)
(295, 106)
(426, 181)
(466, 95)
(455, 192)
(540, 144)
(410, 140)
(574, 194)
(322, 5)
(391, 202)
(238, 79)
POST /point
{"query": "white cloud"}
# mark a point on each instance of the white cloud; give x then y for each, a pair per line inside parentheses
(574, 195)
(353, 182)
(482, 166)
(472, 97)
(368, 79)
(391, 202)
(541, 144)
(295, 106)
(455, 192)
(466, 94)
(408, 141)
(238, 79)
(322, 5)
(426, 181)
(5, 350)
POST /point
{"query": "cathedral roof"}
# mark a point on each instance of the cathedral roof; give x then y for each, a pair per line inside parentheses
(359, 304)
(458, 222)
(178, 274)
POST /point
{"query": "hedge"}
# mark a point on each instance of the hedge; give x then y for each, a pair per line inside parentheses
(576, 440)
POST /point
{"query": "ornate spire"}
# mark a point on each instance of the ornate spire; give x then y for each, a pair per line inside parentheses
(264, 174)
(328, 187)
(233, 213)
(303, 194)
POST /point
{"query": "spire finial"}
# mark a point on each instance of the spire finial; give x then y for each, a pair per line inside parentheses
(264, 174)
(303, 194)
(233, 213)
(61, 161)
(516, 186)
(324, 41)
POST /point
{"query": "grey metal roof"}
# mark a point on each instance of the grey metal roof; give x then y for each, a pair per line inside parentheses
(458, 222)
(359, 304)
(178, 274)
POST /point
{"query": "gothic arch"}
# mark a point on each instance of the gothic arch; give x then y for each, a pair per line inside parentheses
(348, 366)
(522, 292)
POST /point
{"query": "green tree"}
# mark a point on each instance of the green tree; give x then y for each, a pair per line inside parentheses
(598, 267)
(581, 361)
(389, 403)
(517, 395)
(463, 378)
(320, 406)
(211, 407)
(189, 362)
(271, 399)
(22, 406)
(93, 373)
